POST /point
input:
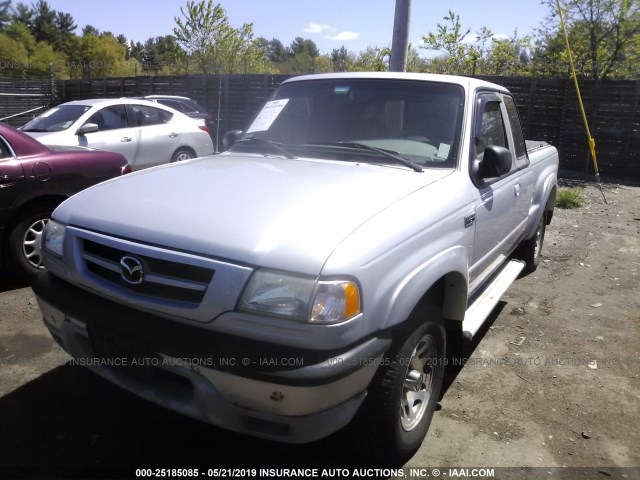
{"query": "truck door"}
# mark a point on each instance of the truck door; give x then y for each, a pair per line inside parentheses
(501, 208)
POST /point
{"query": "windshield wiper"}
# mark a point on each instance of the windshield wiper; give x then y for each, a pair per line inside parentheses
(275, 145)
(387, 153)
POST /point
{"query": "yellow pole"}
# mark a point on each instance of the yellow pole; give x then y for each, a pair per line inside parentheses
(592, 142)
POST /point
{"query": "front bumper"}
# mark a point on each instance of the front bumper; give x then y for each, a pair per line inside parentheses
(264, 390)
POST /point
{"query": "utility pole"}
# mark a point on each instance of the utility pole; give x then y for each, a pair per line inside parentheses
(400, 42)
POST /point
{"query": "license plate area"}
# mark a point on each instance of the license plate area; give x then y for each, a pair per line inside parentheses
(116, 351)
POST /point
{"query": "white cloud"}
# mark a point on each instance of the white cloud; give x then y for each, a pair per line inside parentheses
(317, 28)
(342, 36)
(501, 37)
(471, 38)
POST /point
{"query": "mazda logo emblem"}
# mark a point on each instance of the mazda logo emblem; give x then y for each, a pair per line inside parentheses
(131, 270)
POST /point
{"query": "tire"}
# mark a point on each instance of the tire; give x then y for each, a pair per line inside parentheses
(530, 250)
(403, 397)
(23, 255)
(182, 154)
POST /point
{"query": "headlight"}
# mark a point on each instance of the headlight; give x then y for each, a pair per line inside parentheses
(300, 298)
(53, 240)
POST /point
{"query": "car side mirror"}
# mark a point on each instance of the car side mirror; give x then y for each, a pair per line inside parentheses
(87, 128)
(230, 138)
(495, 162)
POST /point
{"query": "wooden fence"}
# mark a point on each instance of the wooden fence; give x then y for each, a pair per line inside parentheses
(548, 108)
(22, 99)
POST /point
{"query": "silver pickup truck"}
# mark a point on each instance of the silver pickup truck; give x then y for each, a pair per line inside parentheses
(321, 272)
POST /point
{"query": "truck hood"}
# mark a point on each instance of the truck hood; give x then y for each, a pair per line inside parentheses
(270, 212)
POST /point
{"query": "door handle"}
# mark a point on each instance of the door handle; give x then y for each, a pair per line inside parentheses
(6, 179)
(173, 135)
(125, 139)
(516, 190)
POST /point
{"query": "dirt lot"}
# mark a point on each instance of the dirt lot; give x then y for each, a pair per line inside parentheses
(553, 381)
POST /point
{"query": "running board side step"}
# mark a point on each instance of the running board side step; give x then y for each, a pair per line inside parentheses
(479, 310)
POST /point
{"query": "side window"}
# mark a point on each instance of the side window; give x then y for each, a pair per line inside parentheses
(516, 131)
(492, 129)
(5, 151)
(145, 115)
(172, 104)
(109, 118)
(187, 108)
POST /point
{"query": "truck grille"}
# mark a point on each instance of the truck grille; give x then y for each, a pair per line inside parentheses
(163, 279)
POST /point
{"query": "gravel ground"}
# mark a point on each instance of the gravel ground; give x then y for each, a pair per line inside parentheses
(553, 380)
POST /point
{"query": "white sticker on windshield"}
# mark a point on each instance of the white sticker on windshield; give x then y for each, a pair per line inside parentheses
(268, 115)
(443, 150)
(49, 112)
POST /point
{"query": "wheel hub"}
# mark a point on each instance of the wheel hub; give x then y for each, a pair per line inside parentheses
(417, 388)
(32, 243)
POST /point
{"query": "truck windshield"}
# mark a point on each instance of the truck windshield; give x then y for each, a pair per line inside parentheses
(418, 121)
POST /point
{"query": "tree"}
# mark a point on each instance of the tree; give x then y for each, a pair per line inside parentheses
(415, 63)
(302, 45)
(13, 55)
(21, 34)
(162, 55)
(303, 53)
(373, 59)
(603, 35)
(341, 59)
(323, 64)
(276, 51)
(213, 44)
(449, 39)
(90, 30)
(22, 14)
(100, 56)
(480, 53)
(5, 13)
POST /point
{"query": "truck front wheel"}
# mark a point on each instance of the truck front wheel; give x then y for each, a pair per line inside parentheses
(401, 403)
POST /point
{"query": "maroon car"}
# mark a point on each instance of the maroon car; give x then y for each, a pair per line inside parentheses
(34, 180)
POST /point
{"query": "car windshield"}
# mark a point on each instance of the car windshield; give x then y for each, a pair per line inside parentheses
(56, 119)
(362, 120)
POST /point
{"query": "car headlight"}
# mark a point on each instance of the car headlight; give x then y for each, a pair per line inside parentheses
(300, 298)
(53, 237)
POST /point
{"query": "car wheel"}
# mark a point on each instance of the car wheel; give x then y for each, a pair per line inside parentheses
(530, 250)
(400, 405)
(181, 154)
(24, 248)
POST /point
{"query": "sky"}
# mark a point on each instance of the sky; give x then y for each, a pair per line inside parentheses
(355, 24)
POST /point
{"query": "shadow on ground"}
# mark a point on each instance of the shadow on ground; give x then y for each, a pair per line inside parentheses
(70, 423)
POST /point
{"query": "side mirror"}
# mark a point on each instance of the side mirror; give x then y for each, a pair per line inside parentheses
(87, 128)
(230, 138)
(496, 162)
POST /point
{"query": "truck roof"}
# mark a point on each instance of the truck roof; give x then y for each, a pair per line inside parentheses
(466, 82)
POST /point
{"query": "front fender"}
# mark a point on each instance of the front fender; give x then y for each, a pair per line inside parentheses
(451, 265)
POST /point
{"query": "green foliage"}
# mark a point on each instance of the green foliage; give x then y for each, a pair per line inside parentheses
(161, 55)
(570, 198)
(5, 13)
(13, 56)
(481, 53)
(603, 34)
(449, 39)
(213, 45)
(373, 59)
(341, 59)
